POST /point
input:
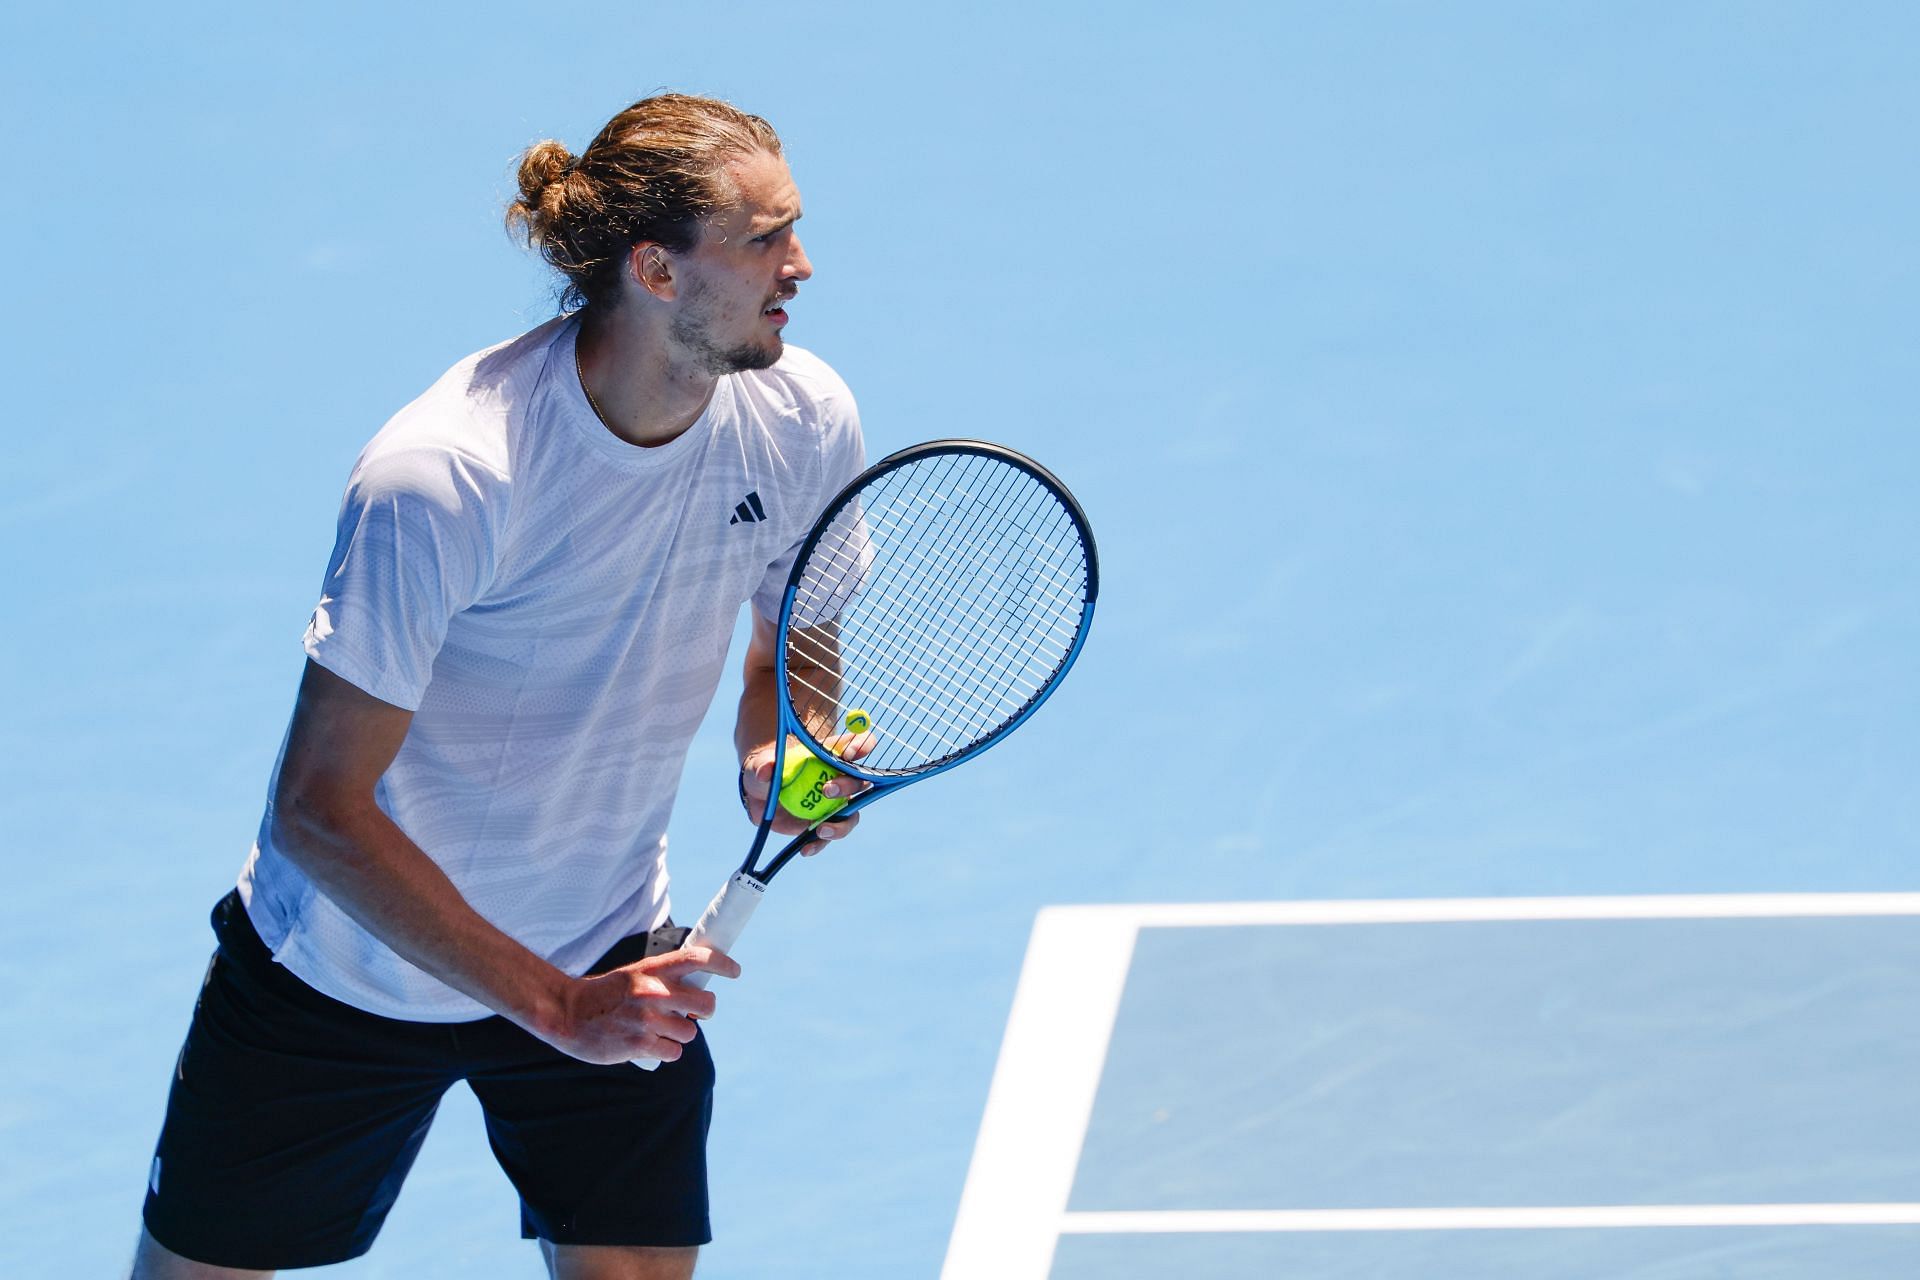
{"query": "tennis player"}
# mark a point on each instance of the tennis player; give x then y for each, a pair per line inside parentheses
(461, 872)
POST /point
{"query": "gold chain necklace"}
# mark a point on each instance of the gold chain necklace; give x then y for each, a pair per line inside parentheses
(580, 371)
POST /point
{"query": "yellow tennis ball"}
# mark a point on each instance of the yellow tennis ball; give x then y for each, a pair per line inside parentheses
(797, 755)
(800, 787)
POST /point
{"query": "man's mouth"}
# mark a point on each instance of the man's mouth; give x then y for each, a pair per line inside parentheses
(777, 309)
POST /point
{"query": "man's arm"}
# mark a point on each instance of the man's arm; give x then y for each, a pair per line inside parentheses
(753, 735)
(326, 821)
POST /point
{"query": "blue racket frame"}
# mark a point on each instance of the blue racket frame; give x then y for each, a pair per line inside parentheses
(789, 723)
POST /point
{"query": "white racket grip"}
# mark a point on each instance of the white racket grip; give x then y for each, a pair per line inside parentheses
(719, 926)
(725, 919)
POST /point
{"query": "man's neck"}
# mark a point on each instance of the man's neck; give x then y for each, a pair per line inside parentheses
(641, 394)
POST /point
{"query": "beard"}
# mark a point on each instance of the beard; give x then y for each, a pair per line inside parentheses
(719, 360)
(693, 327)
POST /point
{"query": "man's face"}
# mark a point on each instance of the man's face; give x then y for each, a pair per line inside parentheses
(747, 265)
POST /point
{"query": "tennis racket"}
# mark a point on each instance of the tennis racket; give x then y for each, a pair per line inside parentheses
(938, 601)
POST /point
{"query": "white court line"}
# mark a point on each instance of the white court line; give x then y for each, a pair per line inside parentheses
(1042, 1095)
(1013, 1209)
(1446, 910)
(1530, 1218)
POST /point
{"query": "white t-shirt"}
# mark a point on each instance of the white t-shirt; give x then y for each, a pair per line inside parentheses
(554, 605)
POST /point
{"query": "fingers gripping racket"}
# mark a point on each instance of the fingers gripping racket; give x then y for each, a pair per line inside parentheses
(939, 600)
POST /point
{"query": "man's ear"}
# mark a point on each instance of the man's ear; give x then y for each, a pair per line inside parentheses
(650, 264)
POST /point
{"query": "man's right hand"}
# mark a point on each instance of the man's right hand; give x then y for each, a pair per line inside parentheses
(643, 1010)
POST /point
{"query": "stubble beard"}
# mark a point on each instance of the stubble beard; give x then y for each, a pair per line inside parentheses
(690, 328)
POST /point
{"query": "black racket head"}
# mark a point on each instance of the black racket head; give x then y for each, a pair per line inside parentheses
(942, 596)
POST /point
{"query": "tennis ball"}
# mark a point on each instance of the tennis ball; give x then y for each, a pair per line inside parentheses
(797, 755)
(801, 780)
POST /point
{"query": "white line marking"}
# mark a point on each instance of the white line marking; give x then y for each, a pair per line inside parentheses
(1514, 1219)
(1042, 1095)
(1013, 1208)
(1442, 910)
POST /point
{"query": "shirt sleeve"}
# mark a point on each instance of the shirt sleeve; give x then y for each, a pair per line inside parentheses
(843, 455)
(414, 546)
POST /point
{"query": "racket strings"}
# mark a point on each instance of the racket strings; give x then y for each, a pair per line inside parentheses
(928, 721)
(948, 735)
(955, 586)
(1061, 535)
(932, 646)
(1005, 673)
(897, 533)
(1013, 674)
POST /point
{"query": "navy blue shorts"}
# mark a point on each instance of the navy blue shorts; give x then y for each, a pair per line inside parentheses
(294, 1118)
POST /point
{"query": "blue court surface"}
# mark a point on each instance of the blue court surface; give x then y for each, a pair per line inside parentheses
(1479, 837)
(1636, 1086)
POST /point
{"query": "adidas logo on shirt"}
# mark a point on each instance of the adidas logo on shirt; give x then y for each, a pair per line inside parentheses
(748, 510)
